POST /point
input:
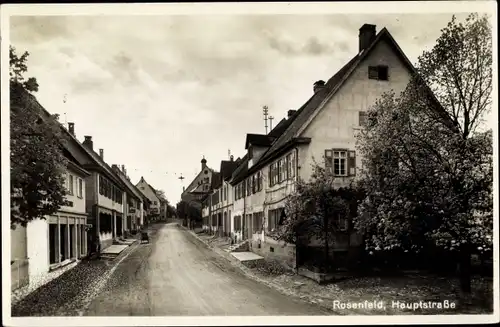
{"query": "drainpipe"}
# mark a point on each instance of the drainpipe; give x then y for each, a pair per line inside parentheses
(296, 179)
(243, 227)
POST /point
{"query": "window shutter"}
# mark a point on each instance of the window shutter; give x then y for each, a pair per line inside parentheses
(328, 160)
(351, 163)
(270, 175)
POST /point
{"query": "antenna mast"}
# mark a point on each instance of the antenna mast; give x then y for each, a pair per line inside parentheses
(265, 110)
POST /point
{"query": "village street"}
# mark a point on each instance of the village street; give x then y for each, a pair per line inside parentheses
(177, 275)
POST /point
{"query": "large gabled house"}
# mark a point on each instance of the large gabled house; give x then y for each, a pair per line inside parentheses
(321, 132)
(45, 245)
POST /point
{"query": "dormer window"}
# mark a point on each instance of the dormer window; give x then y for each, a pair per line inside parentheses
(380, 73)
(250, 152)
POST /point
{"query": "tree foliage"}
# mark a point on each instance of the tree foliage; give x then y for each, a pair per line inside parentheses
(428, 170)
(188, 210)
(37, 162)
(317, 209)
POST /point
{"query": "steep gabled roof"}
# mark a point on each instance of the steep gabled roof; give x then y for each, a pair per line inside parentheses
(227, 168)
(127, 182)
(241, 171)
(191, 185)
(105, 167)
(258, 140)
(280, 128)
(295, 125)
(216, 180)
(295, 122)
(152, 189)
(30, 100)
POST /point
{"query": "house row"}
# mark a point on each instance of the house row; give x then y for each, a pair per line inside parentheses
(248, 197)
(103, 205)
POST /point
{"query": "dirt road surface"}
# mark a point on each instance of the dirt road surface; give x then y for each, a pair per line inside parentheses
(177, 275)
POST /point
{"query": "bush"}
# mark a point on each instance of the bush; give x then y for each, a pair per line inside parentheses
(268, 267)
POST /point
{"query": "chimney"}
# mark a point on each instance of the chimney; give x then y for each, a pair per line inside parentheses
(318, 85)
(71, 128)
(291, 113)
(114, 166)
(101, 153)
(88, 142)
(203, 163)
(367, 34)
(123, 168)
(231, 157)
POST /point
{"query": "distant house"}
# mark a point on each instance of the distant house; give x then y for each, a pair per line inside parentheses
(217, 207)
(134, 207)
(200, 186)
(322, 131)
(149, 192)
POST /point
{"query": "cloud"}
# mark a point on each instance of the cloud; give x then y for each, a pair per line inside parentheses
(158, 92)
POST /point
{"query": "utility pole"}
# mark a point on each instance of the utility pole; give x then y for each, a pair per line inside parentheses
(265, 110)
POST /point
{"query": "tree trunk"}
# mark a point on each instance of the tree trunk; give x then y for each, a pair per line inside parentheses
(465, 269)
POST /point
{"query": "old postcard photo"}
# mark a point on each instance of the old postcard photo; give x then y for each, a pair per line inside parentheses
(249, 163)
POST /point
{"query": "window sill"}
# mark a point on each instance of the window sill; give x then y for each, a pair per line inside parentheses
(64, 263)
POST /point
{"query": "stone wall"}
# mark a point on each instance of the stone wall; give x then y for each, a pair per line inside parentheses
(272, 250)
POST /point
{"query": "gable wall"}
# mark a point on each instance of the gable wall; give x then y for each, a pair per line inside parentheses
(336, 124)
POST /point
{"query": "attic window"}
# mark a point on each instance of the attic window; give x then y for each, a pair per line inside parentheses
(206, 172)
(380, 73)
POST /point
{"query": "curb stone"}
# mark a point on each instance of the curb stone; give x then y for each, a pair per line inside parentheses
(251, 275)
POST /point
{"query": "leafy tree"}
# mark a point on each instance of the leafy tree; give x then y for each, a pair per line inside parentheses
(428, 170)
(161, 194)
(313, 211)
(37, 162)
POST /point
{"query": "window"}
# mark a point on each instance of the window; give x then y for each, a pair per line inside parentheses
(71, 185)
(101, 185)
(340, 163)
(206, 172)
(273, 218)
(342, 222)
(380, 73)
(155, 202)
(237, 223)
(80, 188)
(273, 174)
(258, 179)
(281, 171)
(257, 222)
(249, 186)
(142, 188)
(362, 116)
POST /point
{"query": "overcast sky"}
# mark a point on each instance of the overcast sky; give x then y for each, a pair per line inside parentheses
(159, 92)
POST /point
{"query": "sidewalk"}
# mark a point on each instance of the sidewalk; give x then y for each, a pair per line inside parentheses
(389, 290)
(68, 293)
